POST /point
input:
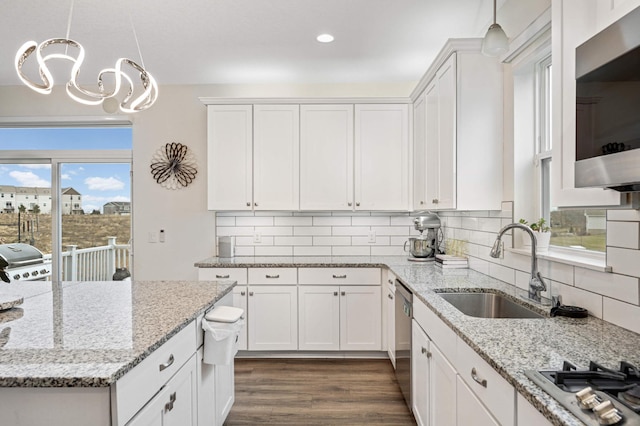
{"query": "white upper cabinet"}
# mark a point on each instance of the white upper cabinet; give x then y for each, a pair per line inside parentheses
(326, 157)
(276, 157)
(573, 22)
(462, 94)
(381, 157)
(229, 157)
(253, 157)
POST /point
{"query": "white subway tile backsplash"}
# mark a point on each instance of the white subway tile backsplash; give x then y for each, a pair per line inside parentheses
(623, 234)
(254, 221)
(226, 221)
(502, 273)
(351, 230)
(274, 230)
(391, 230)
(469, 223)
(265, 240)
(274, 251)
(293, 241)
(331, 241)
(623, 314)
(312, 230)
(380, 241)
(624, 261)
(332, 221)
(556, 271)
(576, 297)
(245, 251)
(351, 251)
(312, 250)
(387, 251)
(405, 220)
(616, 286)
(371, 221)
(293, 221)
(231, 231)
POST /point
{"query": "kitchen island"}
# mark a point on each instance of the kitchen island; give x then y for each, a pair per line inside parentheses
(509, 346)
(76, 341)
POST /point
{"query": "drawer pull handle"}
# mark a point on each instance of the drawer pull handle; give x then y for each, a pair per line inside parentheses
(242, 293)
(168, 363)
(478, 380)
(340, 276)
(426, 352)
(390, 296)
(222, 277)
(169, 405)
(272, 276)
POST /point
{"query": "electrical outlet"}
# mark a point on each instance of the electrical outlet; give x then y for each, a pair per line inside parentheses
(372, 236)
(257, 237)
(162, 238)
(153, 237)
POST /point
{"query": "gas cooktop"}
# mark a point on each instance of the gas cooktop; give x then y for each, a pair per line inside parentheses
(597, 395)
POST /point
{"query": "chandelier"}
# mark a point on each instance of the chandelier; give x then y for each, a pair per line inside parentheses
(135, 97)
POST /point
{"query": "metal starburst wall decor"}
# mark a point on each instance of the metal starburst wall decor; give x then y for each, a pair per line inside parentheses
(173, 166)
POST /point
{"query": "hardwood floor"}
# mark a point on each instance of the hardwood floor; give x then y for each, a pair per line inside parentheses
(317, 392)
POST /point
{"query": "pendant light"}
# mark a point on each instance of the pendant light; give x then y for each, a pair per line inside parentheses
(136, 94)
(495, 43)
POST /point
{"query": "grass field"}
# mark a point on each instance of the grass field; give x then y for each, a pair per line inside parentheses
(82, 230)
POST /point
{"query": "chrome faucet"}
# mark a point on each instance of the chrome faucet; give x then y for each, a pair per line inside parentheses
(536, 283)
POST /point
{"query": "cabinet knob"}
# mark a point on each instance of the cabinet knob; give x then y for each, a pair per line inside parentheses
(357, 203)
(250, 293)
(478, 380)
(434, 201)
(349, 203)
(248, 204)
(390, 296)
(425, 352)
(242, 293)
(335, 293)
(421, 202)
(255, 204)
(342, 293)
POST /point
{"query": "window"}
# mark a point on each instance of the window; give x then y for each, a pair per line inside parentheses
(78, 170)
(583, 229)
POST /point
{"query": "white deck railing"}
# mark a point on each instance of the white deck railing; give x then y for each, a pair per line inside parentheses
(94, 263)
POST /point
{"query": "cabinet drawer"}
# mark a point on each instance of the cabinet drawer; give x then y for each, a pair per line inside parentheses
(438, 331)
(137, 387)
(339, 276)
(492, 389)
(274, 276)
(216, 274)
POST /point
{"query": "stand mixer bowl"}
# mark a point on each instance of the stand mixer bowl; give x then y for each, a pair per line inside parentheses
(420, 247)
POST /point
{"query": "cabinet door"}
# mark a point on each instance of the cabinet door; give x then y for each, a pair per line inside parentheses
(360, 318)
(442, 389)
(240, 301)
(326, 157)
(224, 391)
(528, 415)
(273, 318)
(388, 300)
(419, 153)
(381, 157)
(319, 325)
(470, 410)
(175, 404)
(229, 157)
(440, 131)
(276, 157)
(420, 375)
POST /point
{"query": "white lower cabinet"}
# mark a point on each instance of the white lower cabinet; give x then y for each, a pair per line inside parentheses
(470, 410)
(240, 301)
(319, 324)
(273, 317)
(528, 415)
(360, 318)
(452, 384)
(420, 372)
(175, 404)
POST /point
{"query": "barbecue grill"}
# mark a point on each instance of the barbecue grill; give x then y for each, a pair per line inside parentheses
(22, 262)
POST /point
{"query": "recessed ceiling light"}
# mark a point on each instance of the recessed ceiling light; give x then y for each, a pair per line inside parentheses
(325, 38)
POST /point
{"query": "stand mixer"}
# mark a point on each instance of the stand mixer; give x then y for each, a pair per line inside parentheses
(425, 247)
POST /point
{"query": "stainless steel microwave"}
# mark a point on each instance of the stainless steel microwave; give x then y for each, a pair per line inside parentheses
(608, 107)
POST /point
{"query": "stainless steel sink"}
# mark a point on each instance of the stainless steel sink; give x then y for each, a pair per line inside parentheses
(488, 305)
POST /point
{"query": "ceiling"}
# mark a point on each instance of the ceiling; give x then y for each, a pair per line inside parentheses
(246, 41)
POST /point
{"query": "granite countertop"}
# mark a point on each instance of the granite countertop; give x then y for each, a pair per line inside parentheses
(92, 333)
(510, 346)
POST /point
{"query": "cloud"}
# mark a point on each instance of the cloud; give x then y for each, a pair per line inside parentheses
(28, 179)
(104, 184)
(65, 176)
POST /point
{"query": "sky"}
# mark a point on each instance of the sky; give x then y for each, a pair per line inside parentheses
(98, 183)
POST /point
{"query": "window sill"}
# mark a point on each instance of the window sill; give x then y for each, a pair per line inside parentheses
(583, 259)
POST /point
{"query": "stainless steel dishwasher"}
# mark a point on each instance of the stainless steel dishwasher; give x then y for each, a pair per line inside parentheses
(404, 313)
